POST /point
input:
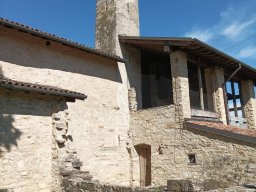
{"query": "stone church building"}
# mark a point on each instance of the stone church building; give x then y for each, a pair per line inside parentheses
(134, 111)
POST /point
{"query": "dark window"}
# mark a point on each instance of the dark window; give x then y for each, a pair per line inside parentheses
(194, 90)
(192, 158)
(47, 43)
(156, 79)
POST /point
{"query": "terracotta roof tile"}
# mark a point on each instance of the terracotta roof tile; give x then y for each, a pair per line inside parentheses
(45, 89)
(233, 129)
(56, 38)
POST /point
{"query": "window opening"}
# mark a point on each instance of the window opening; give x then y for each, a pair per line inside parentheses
(156, 80)
(235, 104)
(192, 158)
(197, 87)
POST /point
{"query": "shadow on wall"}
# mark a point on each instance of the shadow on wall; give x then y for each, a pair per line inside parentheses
(3, 190)
(8, 134)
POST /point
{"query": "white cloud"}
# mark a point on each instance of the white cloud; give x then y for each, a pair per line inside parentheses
(203, 35)
(248, 52)
(234, 30)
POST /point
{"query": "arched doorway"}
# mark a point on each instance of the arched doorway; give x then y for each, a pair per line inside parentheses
(144, 152)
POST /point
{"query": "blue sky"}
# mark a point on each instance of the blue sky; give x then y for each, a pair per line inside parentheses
(229, 25)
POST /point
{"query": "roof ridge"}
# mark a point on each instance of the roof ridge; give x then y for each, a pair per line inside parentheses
(57, 38)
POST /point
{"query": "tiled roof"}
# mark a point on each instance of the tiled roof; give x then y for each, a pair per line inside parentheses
(212, 56)
(44, 89)
(40, 33)
(248, 135)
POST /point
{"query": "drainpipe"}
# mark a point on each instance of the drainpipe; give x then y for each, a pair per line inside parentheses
(225, 95)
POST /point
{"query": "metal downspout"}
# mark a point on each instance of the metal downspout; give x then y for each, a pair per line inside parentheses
(225, 95)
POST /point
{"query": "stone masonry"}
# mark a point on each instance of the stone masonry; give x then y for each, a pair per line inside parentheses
(249, 102)
(132, 99)
(214, 85)
(64, 155)
(35, 148)
(44, 139)
(114, 18)
(180, 85)
(100, 122)
(25, 142)
(220, 162)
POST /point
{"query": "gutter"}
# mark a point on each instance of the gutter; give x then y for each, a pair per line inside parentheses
(225, 95)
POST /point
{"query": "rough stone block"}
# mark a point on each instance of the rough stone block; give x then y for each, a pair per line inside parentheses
(76, 163)
(215, 184)
(61, 125)
(180, 186)
(251, 168)
(56, 116)
(60, 139)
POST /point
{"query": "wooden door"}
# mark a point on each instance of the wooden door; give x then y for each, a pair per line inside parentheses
(144, 152)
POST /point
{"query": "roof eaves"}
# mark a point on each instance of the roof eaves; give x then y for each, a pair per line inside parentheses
(43, 89)
(190, 40)
(123, 37)
(65, 41)
(224, 54)
(222, 133)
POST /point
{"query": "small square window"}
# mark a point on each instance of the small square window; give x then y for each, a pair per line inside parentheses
(47, 43)
(192, 158)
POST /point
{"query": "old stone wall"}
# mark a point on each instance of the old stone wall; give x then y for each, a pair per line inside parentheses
(249, 102)
(25, 142)
(114, 18)
(180, 86)
(220, 162)
(71, 186)
(133, 66)
(151, 127)
(214, 84)
(99, 123)
(64, 154)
